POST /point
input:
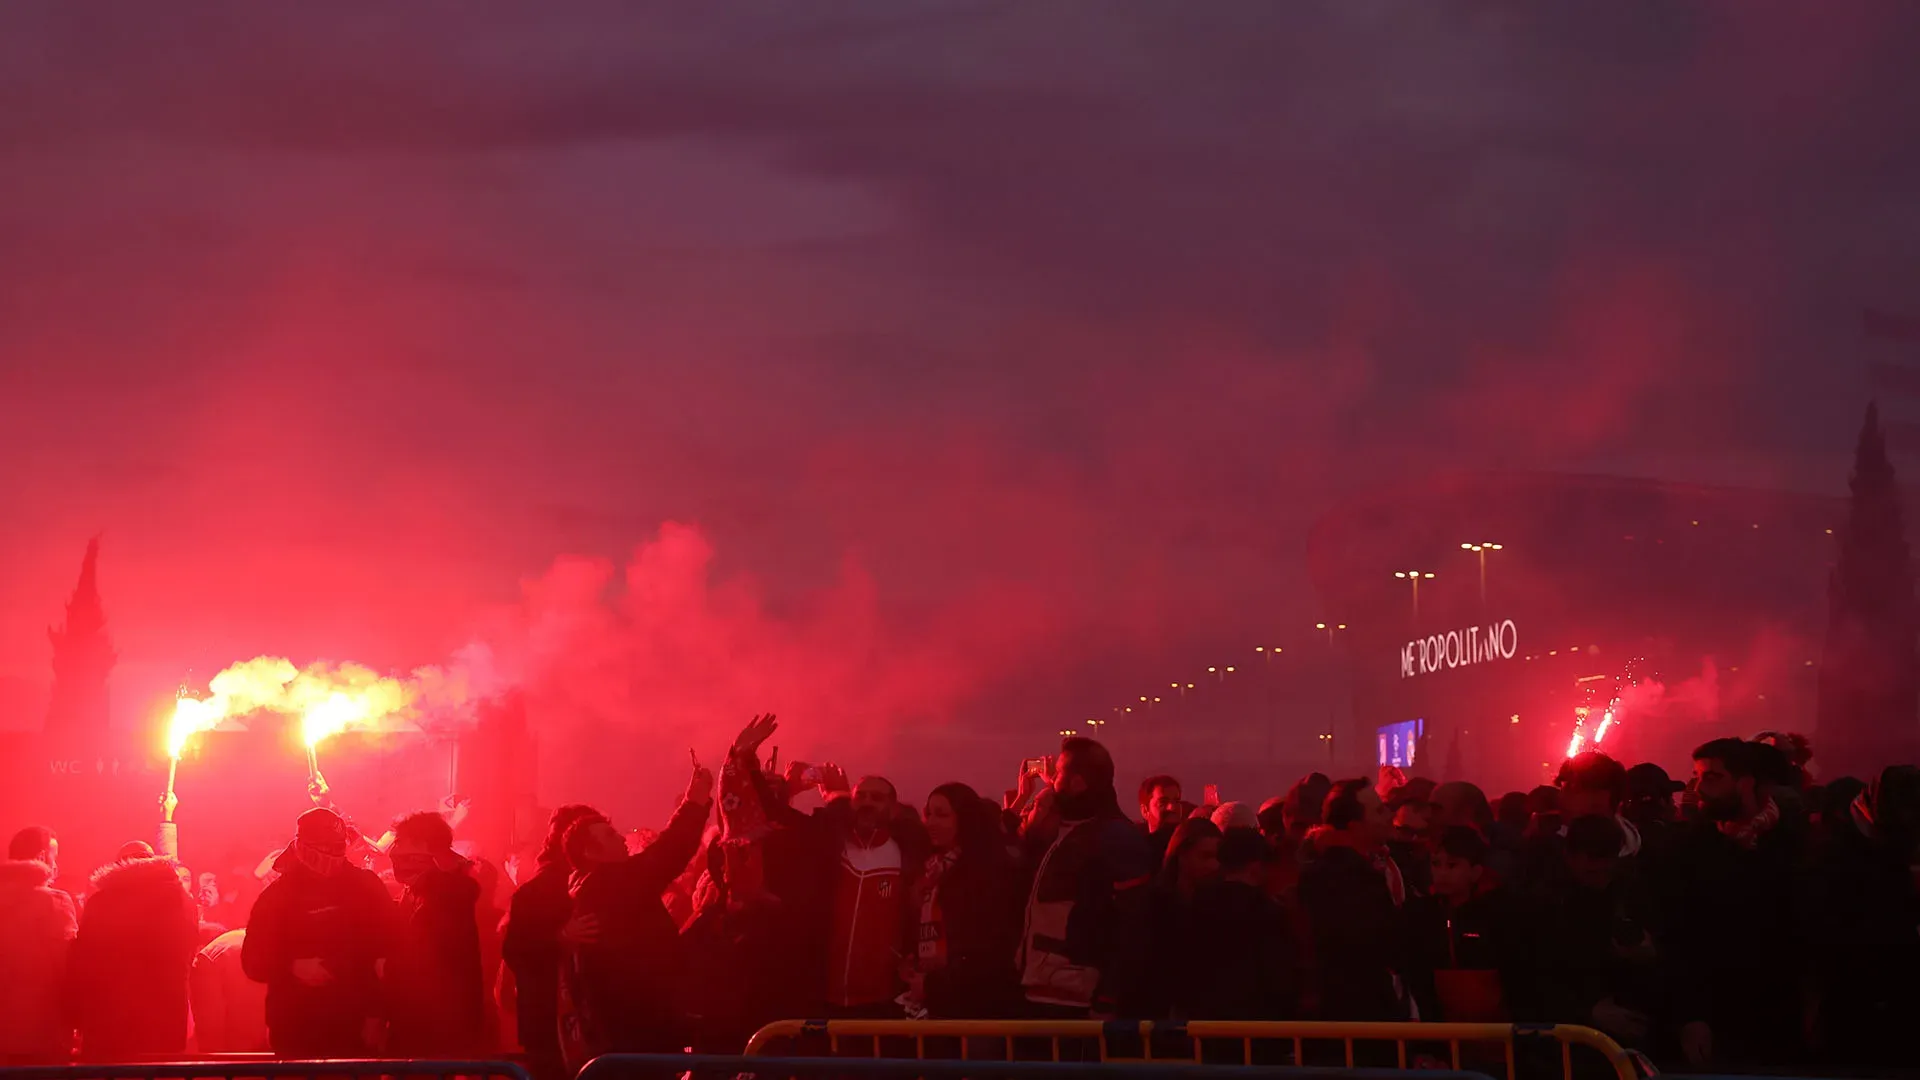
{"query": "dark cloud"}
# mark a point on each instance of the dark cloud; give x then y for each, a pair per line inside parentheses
(1087, 307)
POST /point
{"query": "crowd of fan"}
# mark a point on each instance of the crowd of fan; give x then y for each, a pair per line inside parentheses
(1748, 917)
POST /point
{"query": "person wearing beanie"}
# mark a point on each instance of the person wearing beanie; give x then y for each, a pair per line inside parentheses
(1235, 815)
(315, 938)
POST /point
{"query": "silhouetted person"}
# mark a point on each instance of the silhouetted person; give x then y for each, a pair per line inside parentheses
(1352, 893)
(436, 996)
(621, 987)
(532, 948)
(127, 978)
(1243, 965)
(37, 924)
(1733, 930)
(315, 938)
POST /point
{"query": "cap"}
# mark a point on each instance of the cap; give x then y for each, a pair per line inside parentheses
(1650, 781)
(322, 829)
(134, 849)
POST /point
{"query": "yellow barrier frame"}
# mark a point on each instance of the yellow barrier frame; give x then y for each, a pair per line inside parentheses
(1296, 1032)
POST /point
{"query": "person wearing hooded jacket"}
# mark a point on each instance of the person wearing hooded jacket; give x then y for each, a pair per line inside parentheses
(315, 938)
(434, 986)
(127, 973)
(37, 924)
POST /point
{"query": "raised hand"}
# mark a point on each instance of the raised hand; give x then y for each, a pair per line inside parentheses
(833, 778)
(700, 788)
(757, 731)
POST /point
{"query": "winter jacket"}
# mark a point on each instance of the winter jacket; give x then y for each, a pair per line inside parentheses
(127, 976)
(978, 902)
(868, 926)
(619, 991)
(229, 1009)
(37, 924)
(1359, 937)
(1734, 936)
(1864, 936)
(1243, 964)
(434, 990)
(531, 949)
(1487, 940)
(345, 919)
(1085, 882)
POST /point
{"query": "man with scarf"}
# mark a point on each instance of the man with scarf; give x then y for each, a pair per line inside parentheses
(315, 938)
(1733, 934)
(435, 990)
(1089, 862)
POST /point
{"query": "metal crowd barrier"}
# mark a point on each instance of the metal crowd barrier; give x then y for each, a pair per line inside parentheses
(1292, 1035)
(721, 1067)
(253, 1069)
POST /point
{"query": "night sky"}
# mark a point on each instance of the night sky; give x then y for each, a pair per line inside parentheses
(996, 352)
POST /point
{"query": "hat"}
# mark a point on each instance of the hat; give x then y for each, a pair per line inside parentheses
(1235, 815)
(134, 849)
(322, 830)
(1650, 781)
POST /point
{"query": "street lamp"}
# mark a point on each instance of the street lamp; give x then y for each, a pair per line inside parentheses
(1481, 550)
(1330, 628)
(1415, 576)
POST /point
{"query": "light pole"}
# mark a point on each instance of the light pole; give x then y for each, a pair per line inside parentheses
(1330, 629)
(1481, 550)
(1415, 576)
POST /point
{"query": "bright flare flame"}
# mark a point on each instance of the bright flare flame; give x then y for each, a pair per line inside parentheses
(328, 698)
(190, 717)
(1600, 733)
(1573, 747)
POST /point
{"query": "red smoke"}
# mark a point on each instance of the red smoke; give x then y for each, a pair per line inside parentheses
(623, 669)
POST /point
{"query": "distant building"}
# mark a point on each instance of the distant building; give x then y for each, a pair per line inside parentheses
(83, 657)
(1713, 598)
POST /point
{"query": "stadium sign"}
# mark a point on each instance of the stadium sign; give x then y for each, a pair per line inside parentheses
(1459, 648)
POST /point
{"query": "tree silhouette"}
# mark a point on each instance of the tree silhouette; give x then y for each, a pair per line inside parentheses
(1869, 706)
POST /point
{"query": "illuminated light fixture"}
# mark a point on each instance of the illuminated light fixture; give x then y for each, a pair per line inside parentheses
(1212, 670)
(1553, 652)
(1413, 575)
(1319, 626)
(1514, 719)
(1229, 667)
(1156, 700)
(1693, 523)
(1829, 532)
(1189, 686)
(1259, 648)
(1483, 546)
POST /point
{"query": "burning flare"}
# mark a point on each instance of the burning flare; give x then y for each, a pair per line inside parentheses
(328, 698)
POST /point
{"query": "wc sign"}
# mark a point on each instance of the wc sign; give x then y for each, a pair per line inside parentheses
(1459, 648)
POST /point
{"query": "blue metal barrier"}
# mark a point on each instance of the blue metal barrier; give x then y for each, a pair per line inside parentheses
(271, 1070)
(722, 1067)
